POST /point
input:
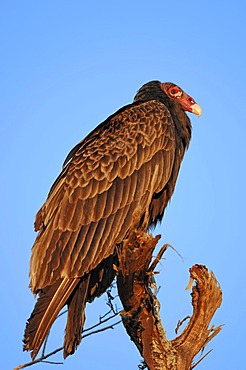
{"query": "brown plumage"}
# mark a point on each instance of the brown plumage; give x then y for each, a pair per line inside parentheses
(128, 164)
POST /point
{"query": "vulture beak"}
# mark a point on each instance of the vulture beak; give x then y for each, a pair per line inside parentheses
(196, 109)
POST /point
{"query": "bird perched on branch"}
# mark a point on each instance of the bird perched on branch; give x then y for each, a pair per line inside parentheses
(128, 165)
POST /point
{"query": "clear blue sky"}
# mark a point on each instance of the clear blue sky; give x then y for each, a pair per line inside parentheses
(66, 66)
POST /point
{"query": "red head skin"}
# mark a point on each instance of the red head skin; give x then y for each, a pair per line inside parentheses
(175, 93)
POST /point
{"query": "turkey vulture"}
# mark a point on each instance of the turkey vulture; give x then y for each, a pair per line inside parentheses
(129, 163)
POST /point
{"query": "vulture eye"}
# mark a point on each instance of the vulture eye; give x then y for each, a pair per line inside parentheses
(175, 92)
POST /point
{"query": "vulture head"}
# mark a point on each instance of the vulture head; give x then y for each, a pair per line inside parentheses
(175, 93)
(170, 94)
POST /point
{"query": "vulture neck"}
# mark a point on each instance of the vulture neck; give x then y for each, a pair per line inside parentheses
(152, 91)
(182, 124)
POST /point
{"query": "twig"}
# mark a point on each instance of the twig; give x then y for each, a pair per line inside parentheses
(200, 359)
(40, 359)
(158, 257)
(180, 323)
(52, 362)
(99, 323)
(103, 329)
(44, 356)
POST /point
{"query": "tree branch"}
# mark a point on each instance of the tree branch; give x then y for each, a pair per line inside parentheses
(102, 320)
(141, 308)
(137, 289)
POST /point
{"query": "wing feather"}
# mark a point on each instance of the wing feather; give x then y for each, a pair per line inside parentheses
(97, 212)
(116, 231)
(83, 262)
(90, 206)
(88, 243)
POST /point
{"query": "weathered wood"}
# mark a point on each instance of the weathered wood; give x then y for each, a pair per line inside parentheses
(141, 308)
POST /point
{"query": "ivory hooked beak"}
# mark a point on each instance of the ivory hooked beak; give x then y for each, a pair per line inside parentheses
(196, 109)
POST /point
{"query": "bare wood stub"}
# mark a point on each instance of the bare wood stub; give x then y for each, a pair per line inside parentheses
(141, 307)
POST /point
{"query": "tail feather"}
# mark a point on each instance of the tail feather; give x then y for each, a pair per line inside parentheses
(49, 304)
(75, 318)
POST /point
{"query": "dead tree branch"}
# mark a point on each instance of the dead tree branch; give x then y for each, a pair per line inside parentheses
(137, 289)
(141, 308)
(86, 332)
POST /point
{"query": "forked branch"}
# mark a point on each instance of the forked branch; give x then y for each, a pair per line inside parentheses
(141, 307)
(136, 288)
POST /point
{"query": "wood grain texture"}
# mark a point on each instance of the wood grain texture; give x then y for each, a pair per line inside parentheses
(141, 314)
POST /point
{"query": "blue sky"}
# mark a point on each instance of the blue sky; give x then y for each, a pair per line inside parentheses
(66, 66)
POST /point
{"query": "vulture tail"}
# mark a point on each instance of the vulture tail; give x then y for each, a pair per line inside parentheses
(50, 302)
(75, 318)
